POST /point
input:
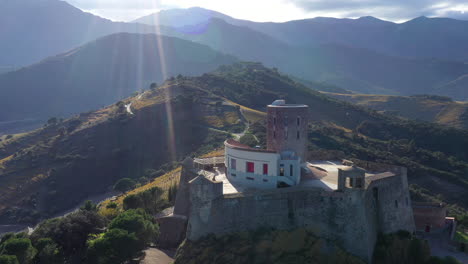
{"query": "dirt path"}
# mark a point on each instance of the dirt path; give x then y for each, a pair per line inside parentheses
(158, 256)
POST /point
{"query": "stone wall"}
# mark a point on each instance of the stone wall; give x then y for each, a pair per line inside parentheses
(351, 218)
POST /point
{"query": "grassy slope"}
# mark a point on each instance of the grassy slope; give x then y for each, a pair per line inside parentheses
(431, 109)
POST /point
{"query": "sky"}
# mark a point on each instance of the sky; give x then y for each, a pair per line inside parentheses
(282, 10)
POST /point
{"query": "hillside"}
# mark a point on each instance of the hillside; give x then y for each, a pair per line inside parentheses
(56, 167)
(34, 30)
(428, 108)
(100, 73)
(455, 88)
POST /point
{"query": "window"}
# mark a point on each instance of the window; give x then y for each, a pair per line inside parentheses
(298, 121)
(274, 120)
(298, 136)
(281, 171)
(250, 167)
(274, 134)
(265, 169)
(396, 203)
(286, 133)
(291, 170)
(233, 164)
(286, 121)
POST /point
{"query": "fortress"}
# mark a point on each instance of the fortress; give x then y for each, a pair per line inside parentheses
(251, 188)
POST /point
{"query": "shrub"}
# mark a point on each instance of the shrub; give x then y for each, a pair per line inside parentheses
(48, 252)
(8, 259)
(248, 139)
(70, 232)
(114, 246)
(124, 185)
(21, 248)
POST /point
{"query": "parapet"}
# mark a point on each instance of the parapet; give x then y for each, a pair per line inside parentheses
(203, 189)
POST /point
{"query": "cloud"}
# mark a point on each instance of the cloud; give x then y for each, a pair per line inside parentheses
(117, 4)
(388, 9)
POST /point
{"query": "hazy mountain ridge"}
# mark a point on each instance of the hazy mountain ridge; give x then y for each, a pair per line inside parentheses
(420, 37)
(341, 63)
(33, 30)
(351, 68)
(100, 73)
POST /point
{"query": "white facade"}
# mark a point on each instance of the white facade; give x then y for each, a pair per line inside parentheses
(259, 168)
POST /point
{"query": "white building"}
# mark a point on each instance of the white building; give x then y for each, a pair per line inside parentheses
(280, 164)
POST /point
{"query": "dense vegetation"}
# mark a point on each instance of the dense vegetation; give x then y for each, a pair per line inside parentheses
(84, 236)
(402, 247)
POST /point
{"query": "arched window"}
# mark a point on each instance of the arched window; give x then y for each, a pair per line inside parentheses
(298, 136)
(291, 170)
(298, 121)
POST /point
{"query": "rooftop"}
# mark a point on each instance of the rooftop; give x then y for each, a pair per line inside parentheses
(231, 143)
(282, 103)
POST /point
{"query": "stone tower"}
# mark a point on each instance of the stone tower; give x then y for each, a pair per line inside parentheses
(287, 128)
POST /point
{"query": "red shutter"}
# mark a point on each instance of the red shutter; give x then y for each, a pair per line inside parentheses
(250, 167)
(265, 169)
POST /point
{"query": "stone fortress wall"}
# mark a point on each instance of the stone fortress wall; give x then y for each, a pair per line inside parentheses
(351, 217)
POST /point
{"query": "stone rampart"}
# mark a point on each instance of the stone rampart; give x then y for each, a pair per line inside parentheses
(351, 218)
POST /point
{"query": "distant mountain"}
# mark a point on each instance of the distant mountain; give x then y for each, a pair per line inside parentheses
(183, 17)
(33, 30)
(421, 37)
(100, 73)
(358, 69)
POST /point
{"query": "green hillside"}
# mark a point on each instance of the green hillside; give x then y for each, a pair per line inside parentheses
(441, 110)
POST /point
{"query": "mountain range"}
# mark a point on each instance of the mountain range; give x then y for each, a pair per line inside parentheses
(358, 55)
(421, 37)
(33, 30)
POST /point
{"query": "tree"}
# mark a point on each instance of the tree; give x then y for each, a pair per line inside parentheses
(138, 222)
(124, 185)
(89, 206)
(48, 252)
(8, 259)
(114, 246)
(248, 139)
(153, 86)
(52, 121)
(70, 232)
(21, 248)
